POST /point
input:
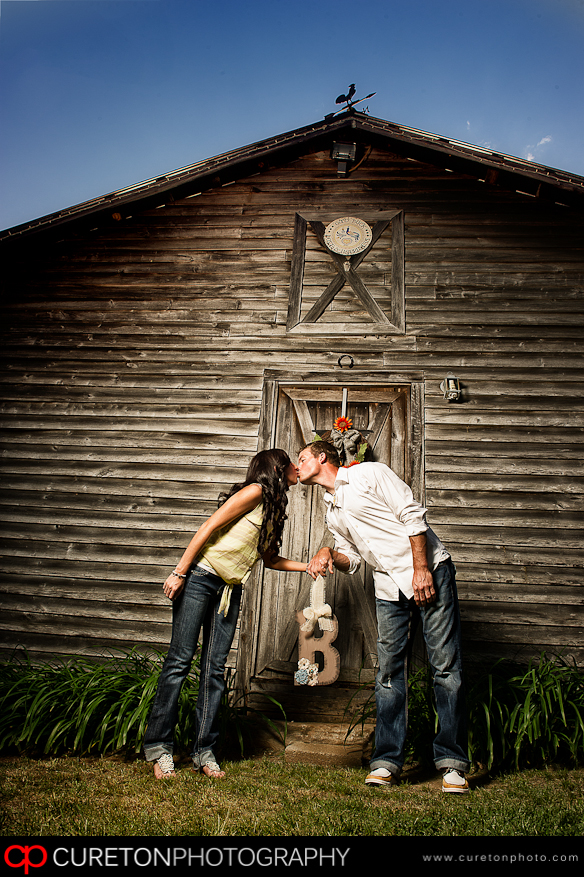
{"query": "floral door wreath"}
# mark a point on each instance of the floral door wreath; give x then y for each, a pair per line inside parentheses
(349, 443)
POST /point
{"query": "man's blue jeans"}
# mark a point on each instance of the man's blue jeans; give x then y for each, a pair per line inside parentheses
(195, 608)
(441, 628)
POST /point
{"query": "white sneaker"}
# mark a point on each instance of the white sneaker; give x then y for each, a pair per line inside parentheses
(381, 776)
(454, 781)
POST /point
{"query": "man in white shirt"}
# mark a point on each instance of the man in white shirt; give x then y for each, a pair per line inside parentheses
(373, 516)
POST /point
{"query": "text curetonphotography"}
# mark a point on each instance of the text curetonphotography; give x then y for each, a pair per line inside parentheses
(211, 857)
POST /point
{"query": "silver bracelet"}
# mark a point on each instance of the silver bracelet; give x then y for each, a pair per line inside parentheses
(179, 575)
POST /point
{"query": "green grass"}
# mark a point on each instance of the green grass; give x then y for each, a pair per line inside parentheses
(526, 730)
(268, 798)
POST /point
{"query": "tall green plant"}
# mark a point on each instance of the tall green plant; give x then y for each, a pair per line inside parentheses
(490, 699)
(83, 706)
(549, 721)
(528, 716)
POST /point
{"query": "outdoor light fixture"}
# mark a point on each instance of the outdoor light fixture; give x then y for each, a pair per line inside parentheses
(343, 153)
(451, 388)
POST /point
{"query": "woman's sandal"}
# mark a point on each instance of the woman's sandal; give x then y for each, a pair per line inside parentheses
(164, 767)
(212, 770)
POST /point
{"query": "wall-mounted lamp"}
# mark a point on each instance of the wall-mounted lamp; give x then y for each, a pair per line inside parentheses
(451, 388)
(343, 153)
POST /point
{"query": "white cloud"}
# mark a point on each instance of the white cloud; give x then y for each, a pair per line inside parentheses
(530, 151)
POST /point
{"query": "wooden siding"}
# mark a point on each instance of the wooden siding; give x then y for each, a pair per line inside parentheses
(134, 356)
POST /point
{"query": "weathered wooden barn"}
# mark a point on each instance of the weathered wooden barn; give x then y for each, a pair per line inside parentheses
(156, 337)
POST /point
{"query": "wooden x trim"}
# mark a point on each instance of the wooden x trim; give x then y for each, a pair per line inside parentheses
(347, 273)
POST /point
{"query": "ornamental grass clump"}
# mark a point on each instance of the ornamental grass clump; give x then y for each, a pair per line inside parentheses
(85, 707)
(528, 717)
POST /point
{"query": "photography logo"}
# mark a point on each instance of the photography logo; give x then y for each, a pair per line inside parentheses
(25, 857)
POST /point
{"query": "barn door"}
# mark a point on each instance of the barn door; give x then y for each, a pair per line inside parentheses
(298, 412)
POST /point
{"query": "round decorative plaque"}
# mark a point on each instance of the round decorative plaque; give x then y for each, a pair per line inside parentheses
(347, 236)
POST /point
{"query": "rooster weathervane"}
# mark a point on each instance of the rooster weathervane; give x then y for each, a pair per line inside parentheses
(347, 99)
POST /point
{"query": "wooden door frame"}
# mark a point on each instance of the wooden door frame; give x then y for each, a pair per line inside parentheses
(273, 380)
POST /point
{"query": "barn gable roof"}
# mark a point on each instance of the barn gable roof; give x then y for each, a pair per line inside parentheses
(492, 167)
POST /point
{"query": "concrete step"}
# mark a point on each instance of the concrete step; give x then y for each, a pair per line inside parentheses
(322, 743)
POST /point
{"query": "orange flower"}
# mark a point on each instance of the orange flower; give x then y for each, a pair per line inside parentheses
(342, 424)
(352, 463)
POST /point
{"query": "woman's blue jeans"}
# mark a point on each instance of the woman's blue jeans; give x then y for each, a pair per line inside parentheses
(441, 628)
(195, 608)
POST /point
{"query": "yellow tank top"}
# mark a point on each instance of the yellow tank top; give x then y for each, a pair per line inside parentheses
(233, 551)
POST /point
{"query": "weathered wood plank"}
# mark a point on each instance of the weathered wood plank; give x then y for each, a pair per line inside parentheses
(504, 535)
(44, 646)
(117, 631)
(506, 418)
(296, 271)
(101, 591)
(548, 615)
(516, 635)
(502, 553)
(96, 487)
(182, 442)
(511, 482)
(23, 420)
(497, 499)
(503, 572)
(503, 466)
(505, 517)
(487, 594)
(105, 454)
(184, 476)
(53, 516)
(132, 569)
(76, 607)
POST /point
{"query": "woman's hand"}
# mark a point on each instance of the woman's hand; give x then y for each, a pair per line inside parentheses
(173, 586)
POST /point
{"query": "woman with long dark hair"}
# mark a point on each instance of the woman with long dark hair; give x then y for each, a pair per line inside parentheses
(205, 588)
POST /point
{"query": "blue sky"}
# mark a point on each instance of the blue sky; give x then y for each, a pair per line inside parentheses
(96, 95)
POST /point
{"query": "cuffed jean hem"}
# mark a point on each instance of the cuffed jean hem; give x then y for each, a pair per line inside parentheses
(394, 769)
(154, 751)
(452, 764)
(201, 758)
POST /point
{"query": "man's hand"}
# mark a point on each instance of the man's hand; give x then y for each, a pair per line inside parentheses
(423, 584)
(321, 563)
